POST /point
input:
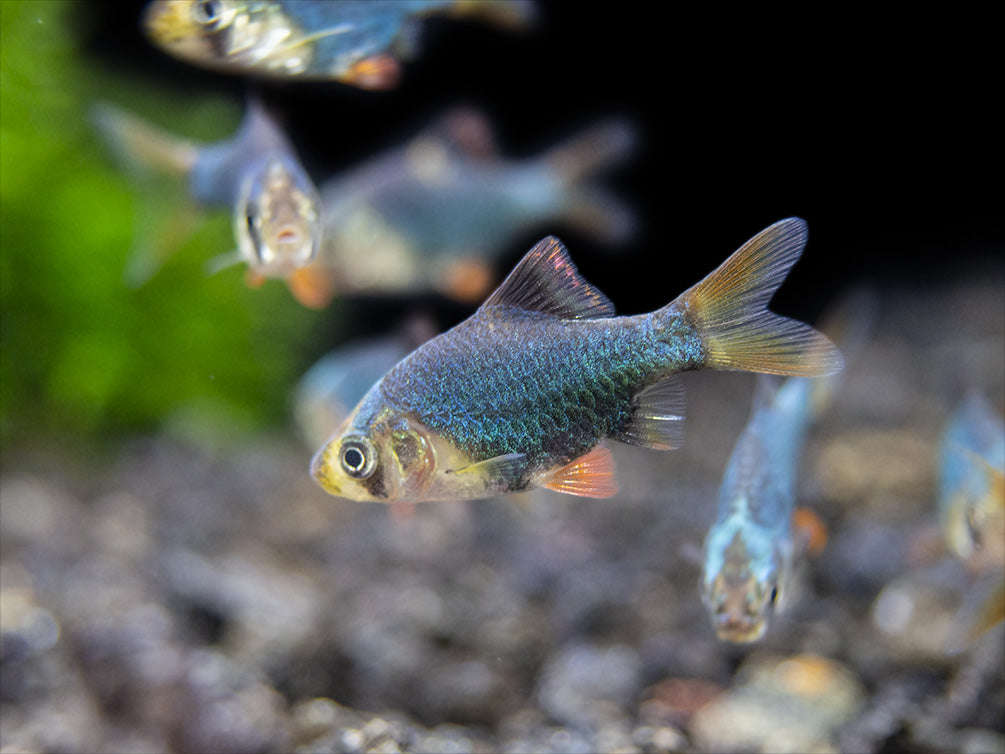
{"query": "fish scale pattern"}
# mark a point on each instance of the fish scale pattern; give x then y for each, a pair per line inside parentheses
(530, 383)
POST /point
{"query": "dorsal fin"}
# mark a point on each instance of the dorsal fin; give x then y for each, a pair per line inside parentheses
(547, 281)
(467, 131)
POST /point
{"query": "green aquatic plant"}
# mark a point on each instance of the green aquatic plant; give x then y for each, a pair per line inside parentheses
(82, 352)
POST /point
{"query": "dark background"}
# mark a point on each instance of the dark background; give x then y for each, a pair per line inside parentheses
(878, 130)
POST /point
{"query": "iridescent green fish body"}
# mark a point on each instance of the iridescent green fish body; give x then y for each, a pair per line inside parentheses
(522, 393)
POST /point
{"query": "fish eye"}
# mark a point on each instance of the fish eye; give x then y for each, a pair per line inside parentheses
(773, 595)
(358, 459)
(255, 234)
(975, 522)
(207, 12)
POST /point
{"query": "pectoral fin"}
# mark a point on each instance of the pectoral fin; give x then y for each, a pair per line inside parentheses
(467, 280)
(378, 72)
(253, 279)
(810, 530)
(312, 287)
(221, 262)
(591, 475)
(495, 473)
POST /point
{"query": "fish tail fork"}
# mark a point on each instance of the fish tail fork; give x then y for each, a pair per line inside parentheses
(604, 146)
(729, 310)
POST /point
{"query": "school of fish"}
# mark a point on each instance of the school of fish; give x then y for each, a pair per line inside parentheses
(528, 391)
(385, 226)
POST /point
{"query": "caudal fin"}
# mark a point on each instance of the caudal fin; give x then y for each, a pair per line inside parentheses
(729, 308)
(602, 146)
(164, 216)
(587, 205)
(140, 146)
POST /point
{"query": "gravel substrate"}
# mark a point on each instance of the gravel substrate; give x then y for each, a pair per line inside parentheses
(172, 598)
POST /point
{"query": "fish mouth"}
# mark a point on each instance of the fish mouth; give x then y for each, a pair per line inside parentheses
(171, 25)
(320, 474)
(741, 629)
(288, 237)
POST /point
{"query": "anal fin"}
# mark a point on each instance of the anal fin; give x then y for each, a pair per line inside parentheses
(378, 72)
(590, 475)
(810, 529)
(311, 286)
(657, 419)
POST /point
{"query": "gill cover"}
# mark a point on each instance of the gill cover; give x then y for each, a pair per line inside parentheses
(394, 461)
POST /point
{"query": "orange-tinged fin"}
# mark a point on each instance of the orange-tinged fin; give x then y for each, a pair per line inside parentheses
(162, 226)
(402, 511)
(509, 14)
(729, 309)
(311, 286)
(810, 529)
(591, 475)
(254, 279)
(376, 73)
(466, 280)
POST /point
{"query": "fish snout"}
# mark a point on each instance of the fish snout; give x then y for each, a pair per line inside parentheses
(739, 627)
(319, 472)
(288, 235)
(294, 245)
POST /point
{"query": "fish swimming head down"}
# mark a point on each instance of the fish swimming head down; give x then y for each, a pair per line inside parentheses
(744, 580)
(277, 219)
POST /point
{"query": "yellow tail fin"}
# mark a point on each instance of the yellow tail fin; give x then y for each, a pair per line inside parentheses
(729, 309)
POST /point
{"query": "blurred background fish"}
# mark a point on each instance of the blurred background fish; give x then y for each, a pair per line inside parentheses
(358, 42)
(971, 511)
(434, 213)
(331, 388)
(749, 549)
(256, 174)
(758, 532)
(972, 464)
